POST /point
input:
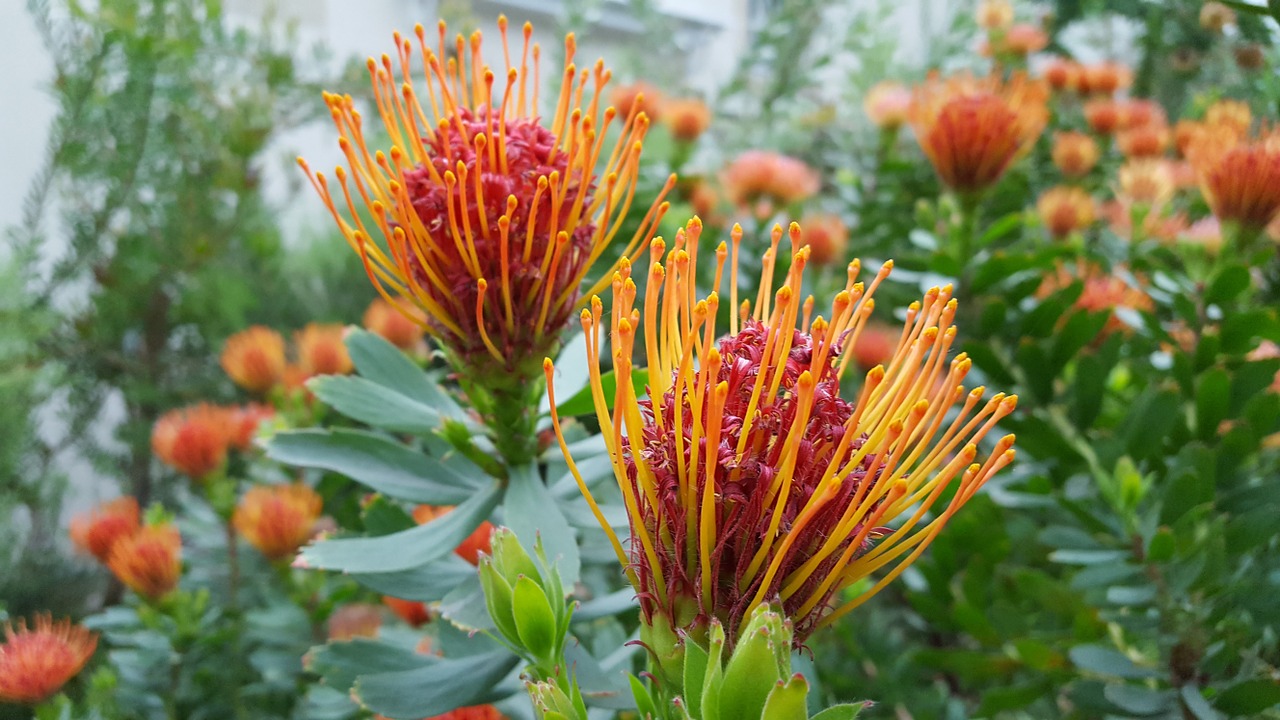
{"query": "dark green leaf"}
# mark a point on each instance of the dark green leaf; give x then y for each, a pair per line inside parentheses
(1249, 697)
(582, 403)
(1108, 661)
(1212, 396)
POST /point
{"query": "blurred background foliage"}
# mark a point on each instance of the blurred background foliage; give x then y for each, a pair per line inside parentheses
(1128, 567)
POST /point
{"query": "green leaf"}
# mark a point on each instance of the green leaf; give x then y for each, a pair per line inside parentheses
(1249, 697)
(1087, 557)
(695, 673)
(368, 402)
(847, 711)
(499, 600)
(1229, 282)
(426, 583)
(410, 548)
(1151, 421)
(535, 620)
(381, 464)
(1161, 547)
(384, 363)
(749, 676)
(714, 680)
(532, 512)
(1213, 393)
(1000, 228)
(1108, 661)
(340, 663)
(1139, 700)
(582, 402)
(1195, 702)
(644, 701)
(787, 701)
(382, 517)
(438, 688)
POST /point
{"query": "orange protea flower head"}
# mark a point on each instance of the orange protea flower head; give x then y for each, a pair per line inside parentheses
(149, 561)
(1074, 153)
(35, 662)
(98, 530)
(1140, 113)
(1150, 140)
(995, 14)
(636, 98)
(1234, 115)
(1103, 292)
(1062, 75)
(1146, 181)
(1102, 115)
(1065, 209)
(193, 440)
(746, 477)
(245, 421)
(763, 178)
(1214, 16)
(1020, 40)
(278, 519)
(411, 611)
(973, 129)
(686, 118)
(321, 350)
(887, 104)
(355, 620)
(1104, 78)
(493, 206)
(1240, 178)
(399, 323)
(254, 358)
(827, 237)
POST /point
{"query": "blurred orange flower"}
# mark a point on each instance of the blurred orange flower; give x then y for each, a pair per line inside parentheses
(1065, 209)
(1103, 116)
(193, 440)
(254, 358)
(278, 519)
(887, 104)
(321, 350)
(995, 14)
(1149, 140)
(149, 562)
(638, 97)
(1074, 153)
(470, 548)
(827, 237)
(1239, 178)
(1104, 78)
(1103, 292)
(98, 530)
(1062, 75)
(411, 611)
(402, 325)
(686, 118)
(764, 176)
(245, 421)
(35, 662)
(972, 129)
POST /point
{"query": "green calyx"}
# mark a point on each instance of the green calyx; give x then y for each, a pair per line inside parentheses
(701, 681)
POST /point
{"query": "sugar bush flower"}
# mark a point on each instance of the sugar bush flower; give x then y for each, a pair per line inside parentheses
(746, 477)
(36, 661)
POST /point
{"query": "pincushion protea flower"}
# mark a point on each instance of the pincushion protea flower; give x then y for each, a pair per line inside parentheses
(392, 322)
(972, 129)
(254, 358)
(491, 215)
(746, 477)
(193, 440)
(1065, 209)
(687, 118)
(761, 179)
(1074, 153)
(35, 662)
(278, 519)
(887, 104)
(98, 530)
(1239, 178)
(321, 350)
(149, 561)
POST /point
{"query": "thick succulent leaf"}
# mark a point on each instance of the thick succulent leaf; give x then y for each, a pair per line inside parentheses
(373, 404)
(532, 512)
(436, 689)
(381, 464)
(384, 363)
(409, 549)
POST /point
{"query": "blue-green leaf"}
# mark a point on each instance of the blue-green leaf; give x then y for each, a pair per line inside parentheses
(438, 688)
(532, 512)
(374, 404)
(381, 464)
(384, 363)
(425, 583)
(411, 548)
